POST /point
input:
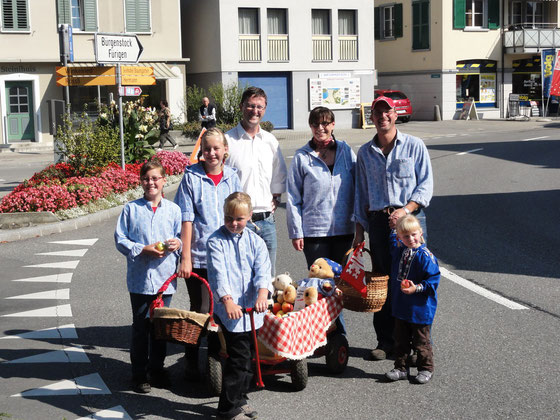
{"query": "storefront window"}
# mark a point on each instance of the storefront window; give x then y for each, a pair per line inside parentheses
(526, 77)
(476, 79)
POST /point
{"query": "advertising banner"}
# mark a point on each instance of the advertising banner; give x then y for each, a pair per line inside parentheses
(555, 84)
(547, 69)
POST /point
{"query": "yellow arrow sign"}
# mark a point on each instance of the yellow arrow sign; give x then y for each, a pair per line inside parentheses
(86, 81)
(137, 71)
(85, 71)
(138, 80)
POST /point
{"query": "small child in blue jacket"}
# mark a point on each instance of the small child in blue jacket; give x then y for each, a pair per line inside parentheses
(414, 282)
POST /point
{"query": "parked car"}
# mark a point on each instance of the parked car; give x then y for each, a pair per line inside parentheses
(402, 103)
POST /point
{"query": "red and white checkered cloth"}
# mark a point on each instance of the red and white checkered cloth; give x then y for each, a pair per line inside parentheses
(301, 333)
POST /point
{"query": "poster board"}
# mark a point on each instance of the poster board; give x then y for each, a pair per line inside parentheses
(469, 110)
(365, 110)
(336, 93)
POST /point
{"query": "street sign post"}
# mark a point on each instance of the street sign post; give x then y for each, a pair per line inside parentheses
(130, 91)
(117, 48)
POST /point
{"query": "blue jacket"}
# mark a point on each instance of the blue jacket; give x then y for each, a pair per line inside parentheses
(202, 203)
(238, 265)
(423, 268)
(139, 226)
(320, 203)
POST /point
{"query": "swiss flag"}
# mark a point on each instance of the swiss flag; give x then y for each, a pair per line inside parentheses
(354, 272)
(555, 84)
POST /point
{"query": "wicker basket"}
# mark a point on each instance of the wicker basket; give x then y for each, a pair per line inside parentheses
(179, 326)
(376, 286)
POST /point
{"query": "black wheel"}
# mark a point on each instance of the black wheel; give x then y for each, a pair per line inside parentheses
(405, 119)
(299, 374)
(337, 353)
(214, 375)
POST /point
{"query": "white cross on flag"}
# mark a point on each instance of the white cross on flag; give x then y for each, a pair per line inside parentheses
(354, 273)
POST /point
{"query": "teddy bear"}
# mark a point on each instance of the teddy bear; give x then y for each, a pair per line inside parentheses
(320, 283)
(280, 282)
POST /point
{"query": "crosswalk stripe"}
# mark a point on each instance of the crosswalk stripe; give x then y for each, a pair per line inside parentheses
(64, 331)
(69, 253)
(85, 385)
(66, 355)
(62, 264)
(51, 311)
(63, 294)
(117, 412)
(53, 278)
(87, 242)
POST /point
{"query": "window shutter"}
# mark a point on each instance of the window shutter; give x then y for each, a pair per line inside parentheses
(15, 15)
(137, 15)
(90, 15)
(398, 29)
(377, 23)
(63, 10)
(493, 14)
(459, 18)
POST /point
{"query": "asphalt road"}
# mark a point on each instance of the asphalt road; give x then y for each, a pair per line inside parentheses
(491, 223)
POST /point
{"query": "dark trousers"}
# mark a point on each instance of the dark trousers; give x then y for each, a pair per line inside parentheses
(146, 353)
(237, 374)
(415, 337)
(164, 136)
(331, 247)
(379, 232)
(199, 299)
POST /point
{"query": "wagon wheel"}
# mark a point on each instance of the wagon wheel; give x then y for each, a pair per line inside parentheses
(299, 374)
(337, 353)
(214, 375)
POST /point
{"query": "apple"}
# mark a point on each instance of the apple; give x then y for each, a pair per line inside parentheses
(276, 307)
(160, 246)
(280, 314)
(405, 284)
(287, 307)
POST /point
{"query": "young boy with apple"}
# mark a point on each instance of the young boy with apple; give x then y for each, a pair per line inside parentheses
(239, 276)
(414, 282)
(143, 226)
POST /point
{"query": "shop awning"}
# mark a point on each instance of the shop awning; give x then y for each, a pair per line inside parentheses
(161, 70)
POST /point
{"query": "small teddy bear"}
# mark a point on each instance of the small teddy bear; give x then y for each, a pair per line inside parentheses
(320, 283)
(280, 282)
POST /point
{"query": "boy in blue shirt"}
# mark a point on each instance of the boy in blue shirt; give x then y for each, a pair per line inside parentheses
(414, 282)
(239, 275)
(142, 225)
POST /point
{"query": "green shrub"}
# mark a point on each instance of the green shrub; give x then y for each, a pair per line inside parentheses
(267, 126)
(227, 100)
(193, 102)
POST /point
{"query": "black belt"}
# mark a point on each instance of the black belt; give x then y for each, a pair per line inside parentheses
(261, 216)
(389, 210)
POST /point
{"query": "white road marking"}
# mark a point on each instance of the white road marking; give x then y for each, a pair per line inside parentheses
(469, 151)
(51, 311)
(117, 412)
(480, 290)
(76, 242)
(72, 354)
(63, 264)
(53, 278)
(536, 138)
(63, 294)
(64, 331)
(69, 253)
(84, 385)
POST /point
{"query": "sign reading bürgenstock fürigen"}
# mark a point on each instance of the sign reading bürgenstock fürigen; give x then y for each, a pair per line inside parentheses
(117, 48)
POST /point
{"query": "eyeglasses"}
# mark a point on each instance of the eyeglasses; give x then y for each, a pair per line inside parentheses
(257, 107)
(151, 178)
(380, 113)
(323, 123)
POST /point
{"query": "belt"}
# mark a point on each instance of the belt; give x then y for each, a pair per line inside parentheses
(389, 210)
(261, 216)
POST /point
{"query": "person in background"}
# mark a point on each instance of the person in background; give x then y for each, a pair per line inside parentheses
(165, 125)
(207, 114)
(320, 193)
(256, 154)
(393, 179)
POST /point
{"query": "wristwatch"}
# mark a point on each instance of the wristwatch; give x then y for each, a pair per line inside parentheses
(407, 211)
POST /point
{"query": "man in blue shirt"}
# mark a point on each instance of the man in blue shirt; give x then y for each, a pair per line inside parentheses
(393, 179)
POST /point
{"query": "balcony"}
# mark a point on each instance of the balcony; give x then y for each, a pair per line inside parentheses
(278, 51)
(531, 38)
(249, 48)
(322, 48)
(348, 47)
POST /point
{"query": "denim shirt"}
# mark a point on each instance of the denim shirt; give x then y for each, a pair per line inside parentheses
(404, 175)
(202, 202)
(320, 203)
(138, 226)
(238, 265)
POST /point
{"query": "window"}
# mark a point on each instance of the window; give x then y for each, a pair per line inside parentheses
(278, 48)
(15, 15)
(249, 21)
(321, 22)
(534, 13)
(277, 22)
(80, 14)
(137, 16)
(476, 79)
(347, 36)
(249, 35)
(347, 22)
(476, 14)
(515, 13)
(321, 30)
(421, 25)
(388, 21)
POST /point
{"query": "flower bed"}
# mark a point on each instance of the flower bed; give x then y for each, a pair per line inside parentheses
(56, 189)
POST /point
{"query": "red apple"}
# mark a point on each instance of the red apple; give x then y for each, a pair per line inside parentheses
(287, 307)
(276, 307)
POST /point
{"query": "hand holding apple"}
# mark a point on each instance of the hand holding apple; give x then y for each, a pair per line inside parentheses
(408, 287)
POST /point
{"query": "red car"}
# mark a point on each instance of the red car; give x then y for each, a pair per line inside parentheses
(402, 103)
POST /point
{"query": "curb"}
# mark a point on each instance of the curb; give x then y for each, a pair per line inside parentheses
(13, 235)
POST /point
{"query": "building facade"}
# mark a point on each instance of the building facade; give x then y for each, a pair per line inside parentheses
(303, 54)
(442, 52)
(30, 54)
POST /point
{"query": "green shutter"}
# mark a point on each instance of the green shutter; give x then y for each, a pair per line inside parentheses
(493, 14)
(459, 17)
(15, 15)
(90, 15)
(398, 29)
(377, 23)
(130, 15)
(63, 11)
(137, 15)
(421, 25)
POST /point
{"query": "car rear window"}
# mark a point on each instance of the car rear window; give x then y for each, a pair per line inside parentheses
(395, 95)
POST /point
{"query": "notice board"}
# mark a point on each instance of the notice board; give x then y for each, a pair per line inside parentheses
(469, 110)
(365, 109)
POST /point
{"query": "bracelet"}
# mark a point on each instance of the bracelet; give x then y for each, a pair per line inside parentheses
(419, 288)
(226, 298)
(407, 211)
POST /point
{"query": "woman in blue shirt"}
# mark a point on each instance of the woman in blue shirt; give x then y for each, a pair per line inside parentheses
(321, 192)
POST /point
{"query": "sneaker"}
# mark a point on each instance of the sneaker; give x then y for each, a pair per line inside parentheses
(248, 411)
(176, 145)
(423, 376)
(396, 375)
(379, 354)
(141, 386)
(160, 379)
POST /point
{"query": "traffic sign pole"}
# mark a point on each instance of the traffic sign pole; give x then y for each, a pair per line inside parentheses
(120, 114)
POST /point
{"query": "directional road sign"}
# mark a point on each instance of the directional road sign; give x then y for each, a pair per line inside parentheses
(117, 48)
(86, 81)
(130, 91)
(138, 80)
(137, 71)
(86, 71)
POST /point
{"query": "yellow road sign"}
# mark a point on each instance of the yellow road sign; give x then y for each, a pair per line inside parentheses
(138, 80)
(85, 71)
(137, 71)
(86, 81)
